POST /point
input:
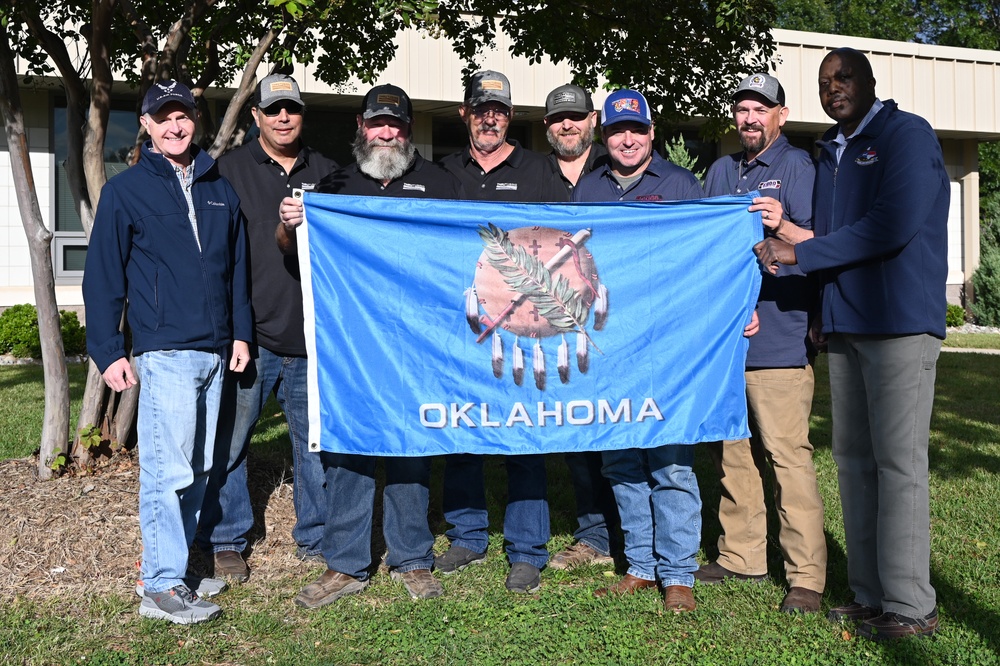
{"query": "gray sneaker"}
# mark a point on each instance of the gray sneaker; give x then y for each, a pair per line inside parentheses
(457, 558)
(523, 578)
(178, 605)
(205, 588)
(420, 583)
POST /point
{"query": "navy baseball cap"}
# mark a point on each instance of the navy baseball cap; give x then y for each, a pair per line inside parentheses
(626, 105)
(164, 92)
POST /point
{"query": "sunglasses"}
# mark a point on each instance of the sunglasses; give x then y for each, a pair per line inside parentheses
(293, 109)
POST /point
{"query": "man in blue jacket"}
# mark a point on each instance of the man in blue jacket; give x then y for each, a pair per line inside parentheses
(881, 251)
(168, 239)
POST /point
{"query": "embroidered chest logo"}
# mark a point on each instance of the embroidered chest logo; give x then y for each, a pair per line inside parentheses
(216, 203)
(867, 158)
(649, 197)
(774, 184)
(416, 187)
(506, 186)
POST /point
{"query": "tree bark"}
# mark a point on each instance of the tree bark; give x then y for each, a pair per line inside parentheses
(55, 426)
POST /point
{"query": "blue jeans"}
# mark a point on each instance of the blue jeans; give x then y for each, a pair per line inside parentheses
(179, 392)
(227, 514)
(596, 513)
(660, 508)
(526, 521)
(348, 534)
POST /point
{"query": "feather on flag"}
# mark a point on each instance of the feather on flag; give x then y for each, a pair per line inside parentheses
(404, 352)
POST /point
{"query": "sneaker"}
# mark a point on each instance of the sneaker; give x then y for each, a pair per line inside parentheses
(178, 605)
(714, 573)
(230, 564)
(206, 588)
(890, 626)
(579, 554)
(457, 558)
(523, 578)
(420, 583)
(329, 587)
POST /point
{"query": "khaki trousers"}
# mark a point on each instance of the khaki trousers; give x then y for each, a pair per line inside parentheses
(779, 402)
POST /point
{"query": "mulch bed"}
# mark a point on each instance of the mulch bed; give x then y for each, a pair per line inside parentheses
(78, 535)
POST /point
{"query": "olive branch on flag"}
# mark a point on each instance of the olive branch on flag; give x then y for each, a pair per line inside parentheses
(556, 300)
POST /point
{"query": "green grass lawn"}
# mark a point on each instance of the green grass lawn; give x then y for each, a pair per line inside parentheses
(478, 622)
(973, 340)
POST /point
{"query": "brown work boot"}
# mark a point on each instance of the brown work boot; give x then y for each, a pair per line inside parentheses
(679, 599)
(891, 626)
(577, 555)
(628, 585)
(714, 573)
(230, 564)
(420, 583)
(801, 600)
(852, 612)
(329, 587)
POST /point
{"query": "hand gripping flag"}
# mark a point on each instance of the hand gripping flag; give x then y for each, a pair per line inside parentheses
(439, 327)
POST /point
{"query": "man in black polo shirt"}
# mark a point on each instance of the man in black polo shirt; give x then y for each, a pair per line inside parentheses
(262, 172)
(493, 168)
(387, 165)
(570, 121)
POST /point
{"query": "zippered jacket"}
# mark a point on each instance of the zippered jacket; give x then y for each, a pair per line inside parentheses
(143, 249)
(881, 224)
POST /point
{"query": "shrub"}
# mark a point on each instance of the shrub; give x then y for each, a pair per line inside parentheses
(677, 152)
(955, 316)
(986, 288)
(19, 332)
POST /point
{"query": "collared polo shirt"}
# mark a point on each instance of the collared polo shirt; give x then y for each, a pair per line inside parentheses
(661, 181)
(787, 174)
(524, 176)
(276, 289)
(598, 157)
(423, 180)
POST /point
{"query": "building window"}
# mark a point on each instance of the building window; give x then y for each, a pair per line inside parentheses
(69, 246)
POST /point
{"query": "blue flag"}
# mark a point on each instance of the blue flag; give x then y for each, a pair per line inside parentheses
(439, 327)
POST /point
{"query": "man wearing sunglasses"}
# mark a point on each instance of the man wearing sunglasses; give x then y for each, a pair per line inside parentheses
(263, 172)
(495, 168)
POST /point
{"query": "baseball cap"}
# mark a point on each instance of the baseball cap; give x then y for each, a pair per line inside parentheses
(626, 105)
(387, 100)
(164, 92)
(568, 99)
(275, 88)
(488, 86)
(764, 85)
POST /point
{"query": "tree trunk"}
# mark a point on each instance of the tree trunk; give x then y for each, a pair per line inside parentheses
(56, 420)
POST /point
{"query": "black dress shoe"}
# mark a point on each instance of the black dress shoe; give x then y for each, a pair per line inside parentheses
(852, 612)
(890, 626)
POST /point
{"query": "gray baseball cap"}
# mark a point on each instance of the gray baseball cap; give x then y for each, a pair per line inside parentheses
(387, 100)
(764, 85)
(275, 88)
(488, 86)
(568, 99)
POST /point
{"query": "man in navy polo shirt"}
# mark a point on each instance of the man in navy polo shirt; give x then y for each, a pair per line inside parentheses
(655, 489)
(388, 165)
(262, 172)
(779, 376)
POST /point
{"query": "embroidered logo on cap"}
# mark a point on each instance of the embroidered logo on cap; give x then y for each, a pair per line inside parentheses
(564, 97)
(626, 104)
(278, 86)
(385, 98)
(491, 84)
(756, 81)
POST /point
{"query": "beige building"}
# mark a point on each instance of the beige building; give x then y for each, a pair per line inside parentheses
(956, 90)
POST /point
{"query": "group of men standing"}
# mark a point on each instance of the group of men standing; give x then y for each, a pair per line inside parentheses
(854, 260)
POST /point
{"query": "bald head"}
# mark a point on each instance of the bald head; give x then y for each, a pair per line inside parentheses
(846, 87)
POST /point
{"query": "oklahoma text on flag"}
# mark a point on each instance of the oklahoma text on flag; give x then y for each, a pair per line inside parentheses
(438, 327)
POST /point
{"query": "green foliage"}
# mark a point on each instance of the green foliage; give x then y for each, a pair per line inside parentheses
(90, 436)
(676, 151)
(19, 332)
(986, 288)
(955, 316)
(58, 462)
(808, 15)
(989, 195)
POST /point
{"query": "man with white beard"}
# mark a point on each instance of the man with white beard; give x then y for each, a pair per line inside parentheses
(387, 165)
